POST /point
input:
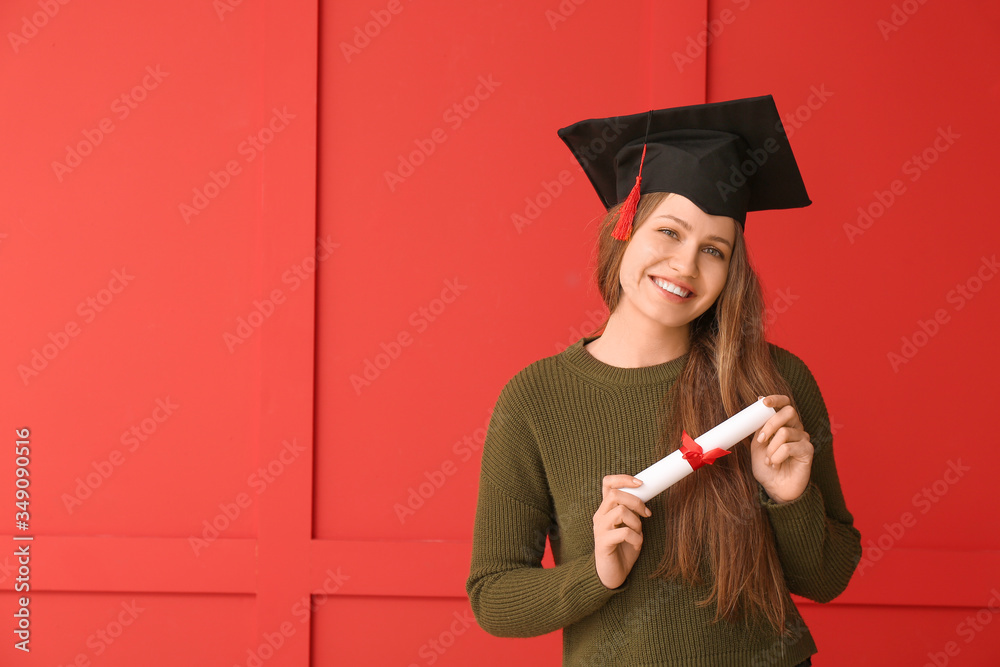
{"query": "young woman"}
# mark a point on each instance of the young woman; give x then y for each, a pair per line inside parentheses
(701, 574)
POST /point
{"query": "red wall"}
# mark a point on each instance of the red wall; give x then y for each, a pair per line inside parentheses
(330, 427)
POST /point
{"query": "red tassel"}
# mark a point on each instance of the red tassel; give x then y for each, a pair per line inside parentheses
(627, 211)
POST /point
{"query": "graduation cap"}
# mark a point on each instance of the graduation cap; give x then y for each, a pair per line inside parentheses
(727, 157)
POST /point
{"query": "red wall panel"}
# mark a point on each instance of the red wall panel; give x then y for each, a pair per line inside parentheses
(141, 226)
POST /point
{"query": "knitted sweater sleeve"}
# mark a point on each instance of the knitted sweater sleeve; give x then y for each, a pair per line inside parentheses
(511, 594)
(818, 545)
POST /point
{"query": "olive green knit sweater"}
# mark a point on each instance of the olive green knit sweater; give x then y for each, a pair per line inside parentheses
(558, 427)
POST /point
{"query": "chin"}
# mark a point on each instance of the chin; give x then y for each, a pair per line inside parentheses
(672, 321)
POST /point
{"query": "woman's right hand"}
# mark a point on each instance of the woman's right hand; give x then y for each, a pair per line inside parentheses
(617, 529)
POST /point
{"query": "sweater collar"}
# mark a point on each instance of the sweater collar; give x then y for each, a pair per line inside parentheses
(587, 365)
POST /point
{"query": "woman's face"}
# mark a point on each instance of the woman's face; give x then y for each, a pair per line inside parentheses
(679, 244)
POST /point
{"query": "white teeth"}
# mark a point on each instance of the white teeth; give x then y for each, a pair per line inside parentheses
(672, 288)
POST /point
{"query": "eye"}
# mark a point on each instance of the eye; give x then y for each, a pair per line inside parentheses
(714, 251)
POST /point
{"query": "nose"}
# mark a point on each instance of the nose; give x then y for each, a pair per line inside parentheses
(684, 261)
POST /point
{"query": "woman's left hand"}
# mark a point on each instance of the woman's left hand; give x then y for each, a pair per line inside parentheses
(781, 463)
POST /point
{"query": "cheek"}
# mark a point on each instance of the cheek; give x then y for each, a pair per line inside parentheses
(719, 280)
(631, 268)
(638, 259)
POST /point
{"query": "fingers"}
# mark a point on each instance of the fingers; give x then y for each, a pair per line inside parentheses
(614, 529)
(618, 529)
(618, 482)
(620, 535)
(612, 496)
(801, 450)
(776, 401)
(788, 442)
(785, 416)
(785, 434)
(622, 516)
(617, 519)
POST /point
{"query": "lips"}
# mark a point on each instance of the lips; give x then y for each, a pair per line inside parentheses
(668, 293)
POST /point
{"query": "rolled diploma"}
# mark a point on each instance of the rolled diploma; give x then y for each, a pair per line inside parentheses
(666, 472)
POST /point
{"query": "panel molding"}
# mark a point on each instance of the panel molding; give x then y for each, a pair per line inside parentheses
(286, 235)
(434, 569)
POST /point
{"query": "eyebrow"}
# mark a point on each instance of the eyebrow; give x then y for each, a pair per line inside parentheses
(688, 227)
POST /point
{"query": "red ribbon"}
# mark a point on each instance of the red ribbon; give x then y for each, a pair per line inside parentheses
(694, 454)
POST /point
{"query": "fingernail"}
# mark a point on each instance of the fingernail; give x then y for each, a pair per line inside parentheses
(636, 481)
(648, 513)
(760, 438)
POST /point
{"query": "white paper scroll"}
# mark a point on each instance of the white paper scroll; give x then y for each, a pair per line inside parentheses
(668, 471)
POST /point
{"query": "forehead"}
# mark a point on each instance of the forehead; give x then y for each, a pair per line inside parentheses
(685, 213)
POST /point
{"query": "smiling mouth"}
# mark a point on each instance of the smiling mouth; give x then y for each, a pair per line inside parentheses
(671, 288)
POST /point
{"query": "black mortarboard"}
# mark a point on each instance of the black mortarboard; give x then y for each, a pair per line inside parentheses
(727, 157)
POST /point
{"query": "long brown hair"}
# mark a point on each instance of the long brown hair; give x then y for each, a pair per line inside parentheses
(715, 523)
